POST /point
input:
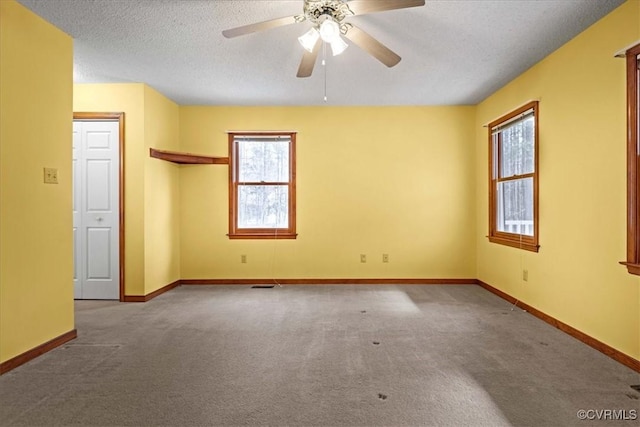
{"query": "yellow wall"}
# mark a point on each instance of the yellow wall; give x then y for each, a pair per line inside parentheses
(152, 245)
(575, 277)
(36, 252)
(127, 98)
(370, 180)
(162, 193)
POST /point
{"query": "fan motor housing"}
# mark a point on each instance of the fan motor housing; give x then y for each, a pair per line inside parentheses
(317, 10)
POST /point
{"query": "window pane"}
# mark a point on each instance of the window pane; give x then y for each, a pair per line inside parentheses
(517, 156)
(263, 160)
(263, 206)
(515, 206)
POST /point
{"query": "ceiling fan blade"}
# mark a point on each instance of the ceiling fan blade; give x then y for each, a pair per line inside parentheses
(372, 46)
(360, 7)
(309, 61)
(259, 26)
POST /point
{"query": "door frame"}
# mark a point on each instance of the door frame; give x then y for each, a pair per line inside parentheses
(119, 117)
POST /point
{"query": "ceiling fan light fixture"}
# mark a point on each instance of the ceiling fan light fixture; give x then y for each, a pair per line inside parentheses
(309, 39)
(338, 46)
(329, 30)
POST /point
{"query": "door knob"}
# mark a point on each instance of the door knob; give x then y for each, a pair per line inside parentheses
(99, 219)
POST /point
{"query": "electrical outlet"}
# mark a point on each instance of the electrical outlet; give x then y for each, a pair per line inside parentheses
(363, 258)
(243, 259)
(385, 257)
(50, 176)
(525, 275)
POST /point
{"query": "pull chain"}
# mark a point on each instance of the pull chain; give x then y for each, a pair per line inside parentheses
(324, 66)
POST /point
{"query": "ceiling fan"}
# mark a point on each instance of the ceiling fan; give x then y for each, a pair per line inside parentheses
(328, 19)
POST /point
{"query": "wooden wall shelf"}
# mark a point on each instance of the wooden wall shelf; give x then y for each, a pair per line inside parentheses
(187, 158)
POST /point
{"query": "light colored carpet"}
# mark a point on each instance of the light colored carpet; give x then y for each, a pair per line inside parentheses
(317, 355)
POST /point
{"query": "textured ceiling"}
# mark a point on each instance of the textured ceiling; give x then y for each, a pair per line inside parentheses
(453, 52)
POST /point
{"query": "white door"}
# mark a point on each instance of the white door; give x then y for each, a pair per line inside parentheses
(96, 209)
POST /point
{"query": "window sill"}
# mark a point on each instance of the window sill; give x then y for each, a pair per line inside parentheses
(527, 246)
(632, 268)
(278, 236)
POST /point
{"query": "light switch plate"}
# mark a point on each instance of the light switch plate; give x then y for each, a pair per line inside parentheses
(50, 175)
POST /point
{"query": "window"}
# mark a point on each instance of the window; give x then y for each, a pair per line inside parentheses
(513, 187)
(633, 160)
(262, 185)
